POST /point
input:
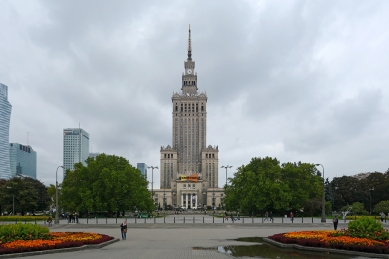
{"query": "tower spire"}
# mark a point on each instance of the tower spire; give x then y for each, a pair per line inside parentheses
(189, 46)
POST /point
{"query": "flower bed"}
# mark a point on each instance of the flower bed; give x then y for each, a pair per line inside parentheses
(333, 239)
(56, 240)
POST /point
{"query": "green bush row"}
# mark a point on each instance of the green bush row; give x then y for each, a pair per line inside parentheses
(358, 217)
(20, 231)
(23, 218)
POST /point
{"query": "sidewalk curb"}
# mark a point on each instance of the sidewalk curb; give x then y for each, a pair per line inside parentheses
(62, 250)
(328, 250)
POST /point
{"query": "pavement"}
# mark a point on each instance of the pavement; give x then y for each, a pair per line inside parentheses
(179, 236)
(175, 240)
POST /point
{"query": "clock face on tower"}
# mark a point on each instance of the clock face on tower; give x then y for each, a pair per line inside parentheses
(189, 71)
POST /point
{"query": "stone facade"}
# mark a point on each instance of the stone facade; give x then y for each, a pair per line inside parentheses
(188, 167)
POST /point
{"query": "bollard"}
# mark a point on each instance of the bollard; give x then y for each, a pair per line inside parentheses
(213, 219)
(106, 220)
(312, 219)
(116, 218)
(282, 219)
(174, 220)
(154, 219)
(302, 219)
(145, 220)
(135, 220)
(35, 221)
(262, 220)
(164, 219)
(223, 219)
(184, 219)
(243, 220)
(252, 219)
(87, 218)
(193, 220)
(203, 219)
(272, 220)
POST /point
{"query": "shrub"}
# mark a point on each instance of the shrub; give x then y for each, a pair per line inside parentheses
(366, 227)
(20, 231)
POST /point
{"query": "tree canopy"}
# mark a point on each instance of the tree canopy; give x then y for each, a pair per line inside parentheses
(264, 184)
(108, 183)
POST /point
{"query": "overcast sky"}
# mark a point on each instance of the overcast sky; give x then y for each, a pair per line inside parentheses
(296, 80)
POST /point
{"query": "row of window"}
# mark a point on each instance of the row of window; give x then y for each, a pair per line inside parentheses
(189, 82)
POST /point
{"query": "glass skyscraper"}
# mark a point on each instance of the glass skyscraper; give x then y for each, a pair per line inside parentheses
(75, 147)
(142, 167)
(5, 116)
(23, 160)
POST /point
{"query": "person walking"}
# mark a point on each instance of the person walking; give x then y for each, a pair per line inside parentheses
(335, 221)
(382, 216)
(238, 216)
(271, 216)
(226, 215)
(232, 217)
(266, 215)
(123, 229)
(291, 216)
(50, 220)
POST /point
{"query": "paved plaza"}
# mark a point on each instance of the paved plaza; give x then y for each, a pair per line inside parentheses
(175, 240)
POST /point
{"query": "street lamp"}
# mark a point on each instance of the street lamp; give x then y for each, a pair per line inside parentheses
(152, 181)
(370, 189)
(323, 207)
(13, 201)
(56, 195)
(164, 196)
(226, 167)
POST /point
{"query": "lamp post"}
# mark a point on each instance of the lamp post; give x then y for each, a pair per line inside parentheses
(164, 196)
(56, 195)
(152, 181)
(323, 206)
(226, 167)
(370, 189)
(13, 201)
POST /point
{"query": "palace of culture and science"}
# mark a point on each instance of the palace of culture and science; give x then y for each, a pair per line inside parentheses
(189, 168)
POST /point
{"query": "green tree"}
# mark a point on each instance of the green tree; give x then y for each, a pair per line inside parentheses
(21, 193)
(264, 184)
(107, 183)
(382, 206)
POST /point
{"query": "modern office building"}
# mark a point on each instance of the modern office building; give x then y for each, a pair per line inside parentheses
(75, 147)
(142, 167)
(22, 160)
(5, 116)
(188, 167)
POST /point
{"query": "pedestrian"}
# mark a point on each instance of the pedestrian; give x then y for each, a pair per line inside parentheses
(291, 216)
(232, 217)
(266, 215)
(382, 216)
(226, 215)
(271, 216)
(50, 220)
(238, 216)
(335, 221)
(123, 229)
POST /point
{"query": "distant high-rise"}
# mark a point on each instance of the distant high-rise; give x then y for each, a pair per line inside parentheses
(75, 147)
(93, 155)
(142, 167)
(22, 160)
(5, 116)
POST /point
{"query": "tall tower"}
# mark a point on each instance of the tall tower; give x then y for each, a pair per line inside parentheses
(189, 155)
(5, 116)
(75, 147)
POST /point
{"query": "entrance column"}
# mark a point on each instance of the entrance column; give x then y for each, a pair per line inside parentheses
(196, 201)
(182, 200)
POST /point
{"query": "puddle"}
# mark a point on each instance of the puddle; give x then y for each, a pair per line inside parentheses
(267, 251)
